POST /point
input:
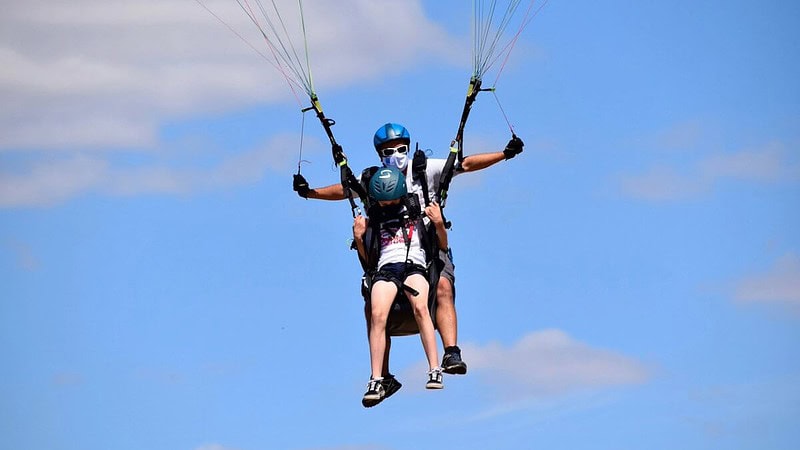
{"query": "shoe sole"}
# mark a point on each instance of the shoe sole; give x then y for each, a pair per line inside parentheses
(370, 402)
(457, 369)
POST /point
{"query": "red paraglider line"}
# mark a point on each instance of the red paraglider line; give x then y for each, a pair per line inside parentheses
(510, 46)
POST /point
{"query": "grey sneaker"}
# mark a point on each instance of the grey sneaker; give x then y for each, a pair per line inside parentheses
(375, 393)
(435, 379)
(452, 364)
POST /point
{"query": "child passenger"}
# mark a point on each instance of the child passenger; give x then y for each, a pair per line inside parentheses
(401, 261)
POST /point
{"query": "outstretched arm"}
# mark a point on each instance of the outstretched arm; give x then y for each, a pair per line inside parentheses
(483, 160)
(332, 192)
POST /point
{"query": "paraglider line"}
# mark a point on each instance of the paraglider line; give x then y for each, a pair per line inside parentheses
(510, 46)
(502, 111)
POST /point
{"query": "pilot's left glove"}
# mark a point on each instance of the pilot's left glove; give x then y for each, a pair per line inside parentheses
(514, 147)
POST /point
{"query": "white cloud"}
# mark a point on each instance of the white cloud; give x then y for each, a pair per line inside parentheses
(82, 77)
(66, 66)
(780, 284)
(548, 363)
(54, 180)
(49, 182)
(551, 362)
(91, 130)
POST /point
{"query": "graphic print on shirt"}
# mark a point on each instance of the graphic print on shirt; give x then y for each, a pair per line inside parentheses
(395, 249)
(393, 235)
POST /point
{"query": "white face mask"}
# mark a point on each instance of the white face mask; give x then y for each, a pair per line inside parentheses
(399, 160)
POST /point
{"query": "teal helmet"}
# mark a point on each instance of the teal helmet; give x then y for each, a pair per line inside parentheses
(388, 183)
(389, 132)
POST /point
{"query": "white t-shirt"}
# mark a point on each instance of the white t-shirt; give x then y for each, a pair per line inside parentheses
(393, 248)
(433, 172)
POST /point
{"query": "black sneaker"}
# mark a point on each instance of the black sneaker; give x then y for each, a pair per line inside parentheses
(390, 385)
(434, 379)
(375, 393)
(452, 364)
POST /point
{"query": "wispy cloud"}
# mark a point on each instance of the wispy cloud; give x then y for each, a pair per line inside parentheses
(214, 447)
(681, 136)
(353, 447)
(662, 183)
(25, 257)
(53, 180)
(770, 163)
(65, 379)
(100, 73)
(779, 285)
(737, 409)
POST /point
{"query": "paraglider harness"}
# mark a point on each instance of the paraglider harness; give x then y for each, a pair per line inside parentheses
(401, 320)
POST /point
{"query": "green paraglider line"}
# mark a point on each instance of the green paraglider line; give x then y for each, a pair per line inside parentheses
(484, 56)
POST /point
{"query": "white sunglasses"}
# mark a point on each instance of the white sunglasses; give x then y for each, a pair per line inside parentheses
(389, 151)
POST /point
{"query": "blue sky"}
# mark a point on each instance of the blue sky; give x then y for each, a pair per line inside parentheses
(632, 280)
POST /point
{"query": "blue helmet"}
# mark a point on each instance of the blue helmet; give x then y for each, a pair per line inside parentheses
(389, 132)
(387, 183)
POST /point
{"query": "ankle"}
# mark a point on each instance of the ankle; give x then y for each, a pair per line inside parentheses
(452, 349)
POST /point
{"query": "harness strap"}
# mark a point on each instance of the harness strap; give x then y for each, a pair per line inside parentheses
(418, 172)
(406, 239)
(397, 282)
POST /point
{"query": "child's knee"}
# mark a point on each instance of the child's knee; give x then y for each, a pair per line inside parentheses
(378, 320)
(420, 309)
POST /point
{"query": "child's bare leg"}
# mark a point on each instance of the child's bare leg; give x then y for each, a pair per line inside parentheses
(368, 320)
(423, 317)
(383, 294)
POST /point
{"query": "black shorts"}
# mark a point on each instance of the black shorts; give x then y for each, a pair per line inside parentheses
(398, 272)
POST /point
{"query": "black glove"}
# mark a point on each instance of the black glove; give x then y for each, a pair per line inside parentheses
(514, 147)
(300, 185)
